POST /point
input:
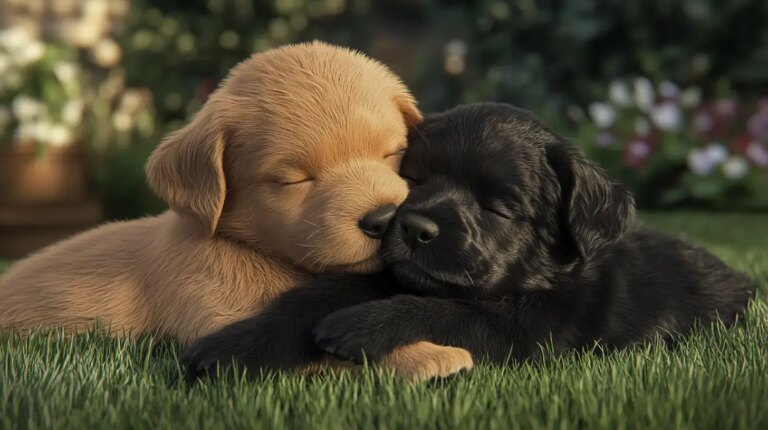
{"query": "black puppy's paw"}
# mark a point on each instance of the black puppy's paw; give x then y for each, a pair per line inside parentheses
(207, 356)
(351, 334)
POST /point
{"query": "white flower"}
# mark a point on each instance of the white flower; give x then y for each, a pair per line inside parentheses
(603, 114)
(26, 108)
(72, 112)
(455, 52)
(699, 162)
(668, 89)
(641, 126)
(65, 72)
(26, 132)
(14, 38)
(41, 130)
(618, 94)
(132, 100)
(122, 121)
(456, 47)
(59, 135)
(30, 53)
(667, 116)
(716, 153)
(757, 154)
(691, 97)
(644, 95)
(106, 53)
(735, 168)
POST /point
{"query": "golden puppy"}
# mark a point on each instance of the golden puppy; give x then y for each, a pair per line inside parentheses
(290, 169)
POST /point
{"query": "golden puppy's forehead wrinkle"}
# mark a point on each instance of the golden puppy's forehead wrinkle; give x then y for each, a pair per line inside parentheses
(313, 146)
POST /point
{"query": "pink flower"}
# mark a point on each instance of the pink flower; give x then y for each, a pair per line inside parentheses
(726, 108)
(638, 151)
(758, 154)
(758, 124)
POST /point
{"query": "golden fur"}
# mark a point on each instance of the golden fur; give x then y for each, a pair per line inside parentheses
(266, 186)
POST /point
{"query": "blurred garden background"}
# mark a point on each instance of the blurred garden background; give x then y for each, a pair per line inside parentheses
(671, 96)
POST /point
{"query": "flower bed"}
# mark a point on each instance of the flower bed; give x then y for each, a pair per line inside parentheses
(672, 147)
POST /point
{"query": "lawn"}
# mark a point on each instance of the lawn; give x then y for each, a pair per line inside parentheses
(716, 379)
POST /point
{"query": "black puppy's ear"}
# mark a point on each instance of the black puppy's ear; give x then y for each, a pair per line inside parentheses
(594, 211)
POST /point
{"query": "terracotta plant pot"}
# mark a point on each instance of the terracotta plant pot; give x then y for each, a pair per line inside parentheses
(43, 197)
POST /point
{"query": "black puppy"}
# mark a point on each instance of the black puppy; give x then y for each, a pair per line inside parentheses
(509, 238)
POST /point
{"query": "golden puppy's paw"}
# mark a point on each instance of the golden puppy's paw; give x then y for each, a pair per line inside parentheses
(422, 361)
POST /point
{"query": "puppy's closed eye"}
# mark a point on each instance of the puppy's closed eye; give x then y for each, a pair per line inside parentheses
(399, 153)
(290, 182)
(498, 209)
(290, 178)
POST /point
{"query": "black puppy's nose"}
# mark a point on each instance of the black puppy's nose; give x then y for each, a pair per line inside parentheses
(375, 222)
(418, 230)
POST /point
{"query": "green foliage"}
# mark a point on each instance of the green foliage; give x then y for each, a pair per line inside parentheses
(541, 55)
(546, 56)
(714, 379)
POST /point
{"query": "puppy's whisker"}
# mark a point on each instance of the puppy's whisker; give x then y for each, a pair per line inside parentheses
(310, 223)
(471, 281)
(305, 257)
(311, 235)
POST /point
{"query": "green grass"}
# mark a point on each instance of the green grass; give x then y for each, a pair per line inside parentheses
(715, 379)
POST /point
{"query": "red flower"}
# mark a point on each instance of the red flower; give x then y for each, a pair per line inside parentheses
(740, 143)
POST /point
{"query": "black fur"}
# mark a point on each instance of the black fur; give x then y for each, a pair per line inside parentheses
(535, 245)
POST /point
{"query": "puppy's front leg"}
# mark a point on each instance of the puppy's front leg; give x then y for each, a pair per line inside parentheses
(279, 338)
(489, 330)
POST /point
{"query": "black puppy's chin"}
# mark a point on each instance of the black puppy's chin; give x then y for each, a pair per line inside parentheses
(418, 276)
(413, 277)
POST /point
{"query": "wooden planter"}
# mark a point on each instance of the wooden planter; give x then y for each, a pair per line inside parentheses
(43, 198)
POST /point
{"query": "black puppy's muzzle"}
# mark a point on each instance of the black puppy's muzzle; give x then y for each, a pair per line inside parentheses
(418, 230)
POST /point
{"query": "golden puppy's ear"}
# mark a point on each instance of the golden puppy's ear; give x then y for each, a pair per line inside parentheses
(187, 170)
(407, 105)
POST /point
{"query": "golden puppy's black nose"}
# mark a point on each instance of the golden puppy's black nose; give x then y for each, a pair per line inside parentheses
(418, 230)
(375, 222)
